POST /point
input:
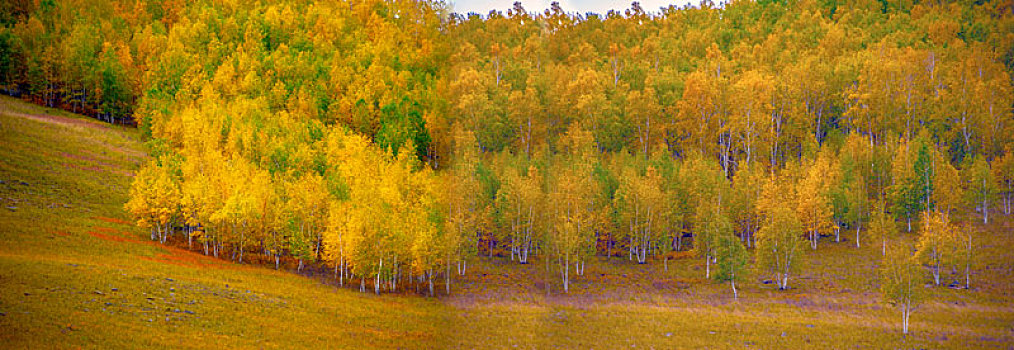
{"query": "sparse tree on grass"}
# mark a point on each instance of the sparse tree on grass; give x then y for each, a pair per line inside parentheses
(901, 285)
(730, 255)
(778, 244)
(937, 242)
(814, 206)
(965, 252)
(981, 186)
(1003, 171)
(882, 225)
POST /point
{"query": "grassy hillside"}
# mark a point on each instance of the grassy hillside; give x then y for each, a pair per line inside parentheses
(75, 273)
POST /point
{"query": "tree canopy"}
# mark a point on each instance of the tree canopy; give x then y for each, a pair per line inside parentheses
(395, 139)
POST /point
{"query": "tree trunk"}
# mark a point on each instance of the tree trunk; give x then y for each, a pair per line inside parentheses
(429, 276)
(985, 207)
(968, 263)
(630, 249)
(813, 239)
(376, 284)
(904, 314)
(609, 246)
(936, 273)
(858, 225)
(566, 273)
(735, 295)
(394, 276)
(707, 266)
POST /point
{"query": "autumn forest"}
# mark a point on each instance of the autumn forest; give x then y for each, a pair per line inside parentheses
(394, 144)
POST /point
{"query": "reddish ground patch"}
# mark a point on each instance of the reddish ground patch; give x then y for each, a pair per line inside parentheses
(179, 257)
(113, 220)
(112, 238)
(60, 233)
(170, 254)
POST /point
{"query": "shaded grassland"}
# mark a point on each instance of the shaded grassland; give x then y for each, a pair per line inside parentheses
(75, 273)
(833, 303)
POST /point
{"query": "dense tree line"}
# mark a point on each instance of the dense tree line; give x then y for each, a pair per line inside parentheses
(396, 141)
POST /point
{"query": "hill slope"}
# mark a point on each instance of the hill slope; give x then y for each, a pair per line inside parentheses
(76, 273)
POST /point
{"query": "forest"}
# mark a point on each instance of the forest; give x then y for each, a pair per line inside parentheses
(395, 142)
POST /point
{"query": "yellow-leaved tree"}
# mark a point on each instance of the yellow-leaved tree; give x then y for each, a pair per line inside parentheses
(572, 204)
(462, 190)
(778, 244)
(813, 206)
(639, 202)
(939, 242)
(708, 190)
(901, 284)
(308, 205)
(154, 200)
(521, 201)
(389, 219)
(882, 224)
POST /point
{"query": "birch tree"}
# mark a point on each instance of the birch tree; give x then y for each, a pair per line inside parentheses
(814, 207)
(154, 200)
(778, 244)
(980, 186)
(638, 200)
(937, 243)
(901, 285)
(730, 255)
(882, 225)
(1003, 172)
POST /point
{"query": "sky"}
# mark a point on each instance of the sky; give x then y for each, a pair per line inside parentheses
(579, 6)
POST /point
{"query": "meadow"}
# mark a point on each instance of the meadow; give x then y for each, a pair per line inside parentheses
(76, 273)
